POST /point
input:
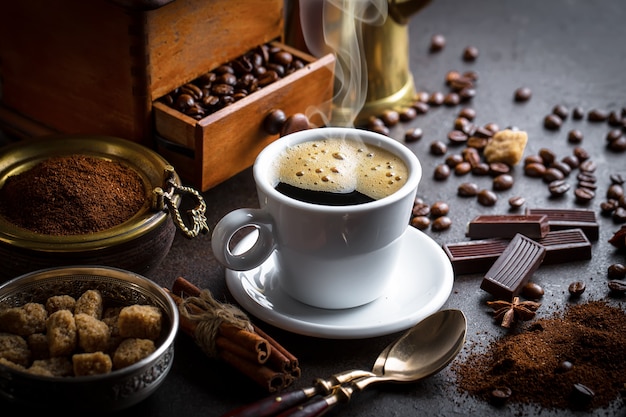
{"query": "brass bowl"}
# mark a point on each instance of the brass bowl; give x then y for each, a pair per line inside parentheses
(93, 394)
(138, 244)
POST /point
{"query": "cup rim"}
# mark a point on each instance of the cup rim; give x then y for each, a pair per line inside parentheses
(262, 164)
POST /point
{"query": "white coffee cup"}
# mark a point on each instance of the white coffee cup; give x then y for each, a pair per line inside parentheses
(328, 256)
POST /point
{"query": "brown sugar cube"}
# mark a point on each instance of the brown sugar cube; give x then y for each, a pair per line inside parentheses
(93, 334)
(61, 332)
(38, 345)
(506, 146)
(14, 348)
(140, 321)
(110, 317)
(94, 363)
(24, 320)
(60, 302)
(90, 302)
(60, 366)
(131, 351)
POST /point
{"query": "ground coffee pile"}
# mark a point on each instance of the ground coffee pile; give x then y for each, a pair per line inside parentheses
(72, 195)
(544, 362)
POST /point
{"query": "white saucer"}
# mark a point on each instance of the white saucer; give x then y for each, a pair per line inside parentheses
(422, 283)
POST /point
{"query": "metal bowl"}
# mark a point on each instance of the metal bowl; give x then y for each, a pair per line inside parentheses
(138, 244)
(109, 392)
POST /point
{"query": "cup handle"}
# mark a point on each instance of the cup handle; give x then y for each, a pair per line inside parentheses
(235, 221)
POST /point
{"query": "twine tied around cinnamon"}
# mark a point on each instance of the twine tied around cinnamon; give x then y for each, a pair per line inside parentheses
(209, 316)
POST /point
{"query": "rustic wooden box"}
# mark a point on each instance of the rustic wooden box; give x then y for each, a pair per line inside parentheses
(220, 145)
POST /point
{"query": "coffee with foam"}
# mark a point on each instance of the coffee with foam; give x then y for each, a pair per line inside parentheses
(339, 172)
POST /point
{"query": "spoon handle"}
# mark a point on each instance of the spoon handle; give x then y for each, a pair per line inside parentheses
(315, 407)
(273, 405)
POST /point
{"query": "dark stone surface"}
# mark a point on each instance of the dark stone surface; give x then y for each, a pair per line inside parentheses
(568, 52)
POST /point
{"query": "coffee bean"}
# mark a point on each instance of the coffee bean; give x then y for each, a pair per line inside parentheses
(421, 209)
(439, 208)
(503, 182)
(572, 161)
(564, 366)
(467, 189)
(442, 172)
(586, 177)
(471, 155)
(522, 94)
(437, 43)
(575, 136)
(487, 197)
(608, 207)
(438, 148)
(576, 288)
(457, 137)
(436, 98)
(617, 179)
(552, 122)
(295, 123)
(547, 156)
(413, 135)
(463, 168)
(587, 166)
(421, 107)
(616, 271)
(453, 160)
(273, 122)
(420, 222)
(613, 134)
(480, 169)
(581, 154)
(516, 202)
(588, 185)
(578, 113)
(597, 115)
(407, 114)
(617, 287)
(452, 76)
(619, 215)
(467, 113)
(500, 395)
(584, 195)
(552, 174)
(558, 188)
(470, 53)
(498, 168)
(471, 74)
(467, 94)
(451, 99)
(382, 129)
(615, 191)
(535, 170)
(441, 223)
(492, 127)
(562, 166)
(581, 395)
(533, 159)
(390, 117)
(421, 96)
(532, 290)
(615, 119)
(618, 145)
(561, 111)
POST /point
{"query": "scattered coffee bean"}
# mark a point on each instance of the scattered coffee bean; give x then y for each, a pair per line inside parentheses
(597, 115)
(437, 43)
(442, 172)
(421, 107)
(588, 185)
(535, 170)
(532, 290)
(608, 207)
(390, 118)
(587, 166)
(584, 195)
(457, 137)
(436, 98)
(453, 160)
(552, 122)
(578, 113)
(420, 222)
(616, 271)
(617, 179)
(581, 154)
(273, 122)
(421, 209)
(617, 287)
(451, 99)
(618, 145)
(581, 395)
(438, 148)
(413, 134)
(498, 168)
(615, 119)
(619, 215)
(467, 94)
(516, 202)
(572, 161)
(615, 191)
(439, 208)
(487, 198)
(564, 366)
(586, 177)
(295, 123)
(407, 114)
(575, 136)
(441, 223)
(470, 53)
(533, 159)
(552, 174)
(613, 134)
(503, 182)
(561, 111)
(421, 96)
(522, 94)
(576, 288)
(463, 168)
(467, 189)
(500, 395)
(562, 166)
(558, 188)
(467, 113)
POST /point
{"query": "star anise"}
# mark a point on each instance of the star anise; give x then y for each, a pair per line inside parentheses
(509, 311)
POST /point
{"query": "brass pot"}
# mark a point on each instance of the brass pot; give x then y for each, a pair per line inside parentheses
(138, 244)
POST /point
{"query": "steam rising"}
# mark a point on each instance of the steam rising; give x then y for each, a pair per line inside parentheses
(335, 26)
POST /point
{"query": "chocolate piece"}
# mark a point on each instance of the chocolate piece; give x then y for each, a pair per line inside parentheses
(475, 255)
(507, 225)
(562, 219)
(565, 246)
(512, 270)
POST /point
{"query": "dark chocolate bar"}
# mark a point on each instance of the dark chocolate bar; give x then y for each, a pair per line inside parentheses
(513, 268)
(565, 246)
(562, 219)
(508, 225)
(474, 256)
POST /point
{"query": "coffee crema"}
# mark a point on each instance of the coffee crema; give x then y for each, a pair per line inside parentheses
(338, 171)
